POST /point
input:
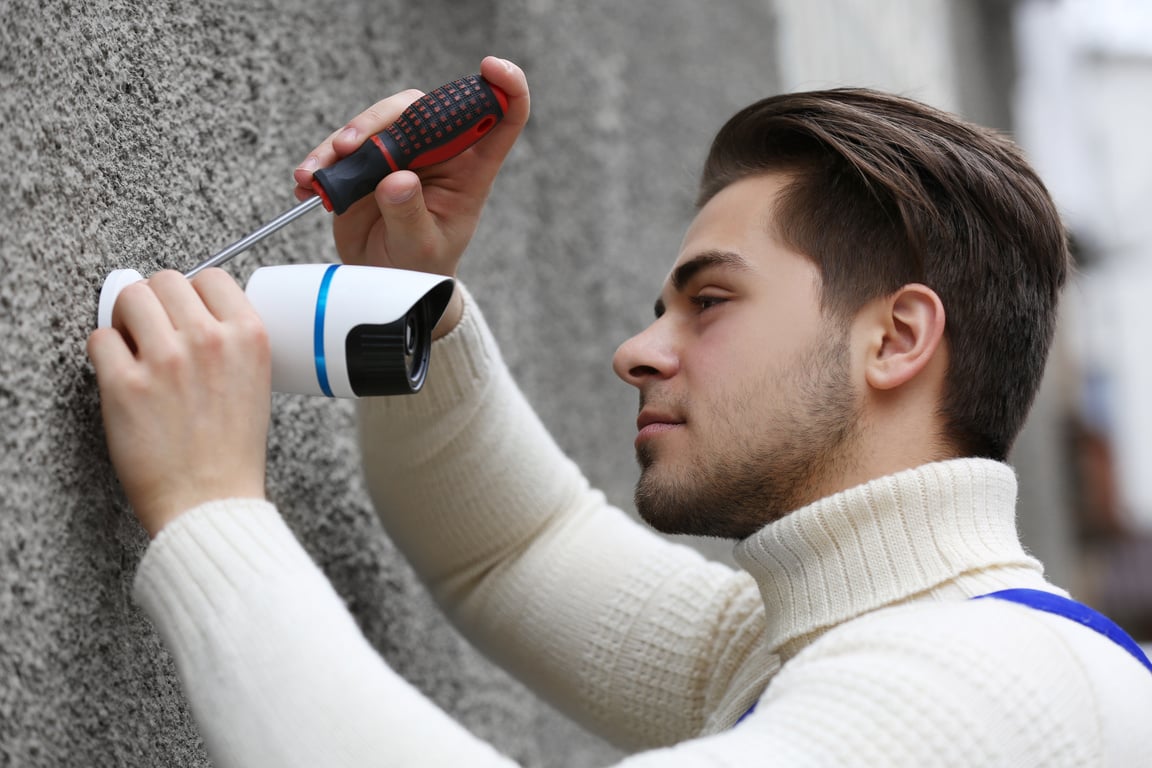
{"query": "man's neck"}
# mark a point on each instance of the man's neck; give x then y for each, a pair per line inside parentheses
(948, 525)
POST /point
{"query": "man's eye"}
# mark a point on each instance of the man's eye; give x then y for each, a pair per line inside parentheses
(707, 302)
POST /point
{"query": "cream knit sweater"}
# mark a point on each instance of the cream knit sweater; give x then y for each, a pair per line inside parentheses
(849, 624)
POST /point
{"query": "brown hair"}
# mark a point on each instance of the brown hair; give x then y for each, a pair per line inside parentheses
(887, 191)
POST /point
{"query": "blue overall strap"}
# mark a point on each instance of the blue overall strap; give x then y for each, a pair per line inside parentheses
(1078, 612)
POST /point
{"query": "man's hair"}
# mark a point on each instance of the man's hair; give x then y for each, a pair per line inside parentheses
(886, 191)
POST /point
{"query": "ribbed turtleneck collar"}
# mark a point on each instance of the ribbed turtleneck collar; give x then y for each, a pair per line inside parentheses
(882, 542)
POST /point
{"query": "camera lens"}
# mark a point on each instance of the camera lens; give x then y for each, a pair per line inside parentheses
(392, 358)
(409, 335)
(412, 362)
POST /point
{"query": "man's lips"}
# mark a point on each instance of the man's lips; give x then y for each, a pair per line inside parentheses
(653, 422)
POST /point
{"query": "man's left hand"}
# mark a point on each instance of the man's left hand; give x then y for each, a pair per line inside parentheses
(185, 382)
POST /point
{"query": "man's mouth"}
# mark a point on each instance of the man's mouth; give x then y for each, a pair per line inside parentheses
(652, 422)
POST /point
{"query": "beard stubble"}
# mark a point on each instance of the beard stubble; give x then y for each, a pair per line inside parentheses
(765, 473)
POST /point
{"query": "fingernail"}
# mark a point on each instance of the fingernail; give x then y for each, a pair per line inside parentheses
(348, 134)
(311, 164)
(507, 64)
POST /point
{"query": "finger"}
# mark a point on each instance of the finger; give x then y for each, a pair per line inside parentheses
(222, 295)
(411, 235)
(321, 156)
(398, 204)
(373, 120)
(179, 299)
(109, 352)
(141, 317)
(476, 169)
(498, 143)
(348, 138)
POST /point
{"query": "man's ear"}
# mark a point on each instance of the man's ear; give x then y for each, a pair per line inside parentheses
(908, 330)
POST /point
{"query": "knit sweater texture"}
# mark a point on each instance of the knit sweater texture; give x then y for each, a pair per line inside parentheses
(849, 625)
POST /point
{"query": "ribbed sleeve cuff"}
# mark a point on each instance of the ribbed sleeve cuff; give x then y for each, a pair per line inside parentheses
(201, 563)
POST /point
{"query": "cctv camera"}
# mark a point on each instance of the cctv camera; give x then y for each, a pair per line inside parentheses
(337, 330)
(348, 331)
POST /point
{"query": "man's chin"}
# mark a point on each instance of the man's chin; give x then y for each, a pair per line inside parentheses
(680, 501)
(663, 520)
(667, 505)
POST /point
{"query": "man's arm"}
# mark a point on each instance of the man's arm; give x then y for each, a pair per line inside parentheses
(275, 669)
(640, 639)
(537, 569)
(273, 666)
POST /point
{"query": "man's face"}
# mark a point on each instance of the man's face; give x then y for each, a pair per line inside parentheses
(747, 408)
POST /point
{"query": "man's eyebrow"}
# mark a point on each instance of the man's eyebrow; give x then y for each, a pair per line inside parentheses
(701, 261)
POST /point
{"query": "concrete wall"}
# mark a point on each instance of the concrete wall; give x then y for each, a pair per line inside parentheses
(148, 134)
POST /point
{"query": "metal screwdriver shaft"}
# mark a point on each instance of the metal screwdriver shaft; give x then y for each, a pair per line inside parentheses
(245, 243)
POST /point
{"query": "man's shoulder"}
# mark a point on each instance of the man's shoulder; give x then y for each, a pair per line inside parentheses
(1002, 683)
(984, 643)
(983, 625)
(952, 630)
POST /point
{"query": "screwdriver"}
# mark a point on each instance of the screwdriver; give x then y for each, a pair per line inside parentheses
(436, 127)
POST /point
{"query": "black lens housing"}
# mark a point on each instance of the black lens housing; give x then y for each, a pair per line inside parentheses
(391, 358)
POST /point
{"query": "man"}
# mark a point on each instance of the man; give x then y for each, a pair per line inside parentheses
(843, 352)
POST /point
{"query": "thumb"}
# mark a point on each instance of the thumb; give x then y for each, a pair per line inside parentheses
(411, 238)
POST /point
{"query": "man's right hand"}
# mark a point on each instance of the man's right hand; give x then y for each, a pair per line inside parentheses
(423, 220)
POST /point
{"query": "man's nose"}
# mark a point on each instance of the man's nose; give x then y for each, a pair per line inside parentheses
(647, 355)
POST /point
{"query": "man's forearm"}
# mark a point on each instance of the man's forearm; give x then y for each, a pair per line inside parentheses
(275, 669)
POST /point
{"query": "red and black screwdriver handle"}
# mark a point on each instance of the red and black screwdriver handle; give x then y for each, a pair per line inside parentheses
(436, 127)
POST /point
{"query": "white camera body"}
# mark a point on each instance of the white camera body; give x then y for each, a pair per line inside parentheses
(337, 330)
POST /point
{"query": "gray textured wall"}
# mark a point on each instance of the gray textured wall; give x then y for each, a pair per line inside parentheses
(148, 134)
